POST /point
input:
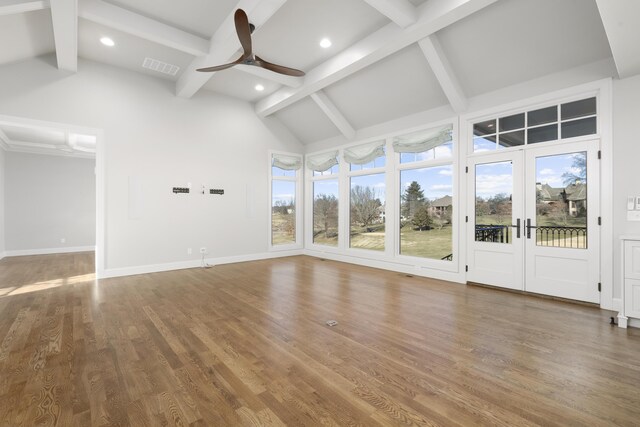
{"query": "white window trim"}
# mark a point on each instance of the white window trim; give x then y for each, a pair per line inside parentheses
(309, 180)
(430, 263)
(298, 179)
(390, 257)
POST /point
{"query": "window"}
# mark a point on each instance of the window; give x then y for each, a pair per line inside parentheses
(426, 193)
(568, 120)
(285, 176)
(325, 170)
(367, 196)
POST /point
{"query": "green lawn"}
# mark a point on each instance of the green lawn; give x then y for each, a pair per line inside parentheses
(435, 244)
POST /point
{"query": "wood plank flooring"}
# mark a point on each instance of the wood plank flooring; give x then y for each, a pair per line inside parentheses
(247, 344)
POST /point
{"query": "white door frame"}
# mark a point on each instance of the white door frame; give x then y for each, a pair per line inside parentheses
(576, 272)
(513, 265)
(495, 263)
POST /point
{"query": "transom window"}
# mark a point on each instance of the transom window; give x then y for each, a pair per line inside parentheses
(568, 120)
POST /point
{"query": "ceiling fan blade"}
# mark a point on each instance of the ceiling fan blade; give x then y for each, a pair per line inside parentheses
(244, 31)
(278, 68)
(221, 67)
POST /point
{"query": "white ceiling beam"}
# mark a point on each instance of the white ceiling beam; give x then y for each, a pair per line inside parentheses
(10, 7)
(402, 12)
(64, 15)
(620, 19)
(332, 112)
(441, 67)
(290, 81)
(224, 44)
(132, 23)
(432, 16)
(5, 142)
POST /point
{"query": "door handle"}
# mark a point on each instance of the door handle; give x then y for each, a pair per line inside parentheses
(517, 226)
(529, 227)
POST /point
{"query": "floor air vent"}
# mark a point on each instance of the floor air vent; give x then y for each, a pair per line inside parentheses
(160, 67)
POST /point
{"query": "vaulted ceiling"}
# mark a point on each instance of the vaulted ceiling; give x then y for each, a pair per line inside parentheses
(388, 58)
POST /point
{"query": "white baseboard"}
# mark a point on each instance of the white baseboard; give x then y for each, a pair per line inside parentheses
(391, 266)
(180, 265)
(2, 255)
(47, 251)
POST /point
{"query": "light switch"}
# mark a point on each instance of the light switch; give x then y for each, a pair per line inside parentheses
(638, 203)
(630, 203)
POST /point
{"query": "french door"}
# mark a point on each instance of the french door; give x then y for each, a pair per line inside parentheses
(533, 222)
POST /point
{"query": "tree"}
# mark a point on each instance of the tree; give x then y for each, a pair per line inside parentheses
(482, 207)
(283, 206)
(578, 171)
(443, 219)
(500, 207)
(559, 213)
(422, 219)
(412, 199)
(325, 213)
(365, 206)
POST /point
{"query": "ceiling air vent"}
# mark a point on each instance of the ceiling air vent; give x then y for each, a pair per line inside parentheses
(159, 66)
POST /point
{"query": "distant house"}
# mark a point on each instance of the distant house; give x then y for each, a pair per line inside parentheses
(576, 197)
(548, 194)
(439, 206)
(573, 195)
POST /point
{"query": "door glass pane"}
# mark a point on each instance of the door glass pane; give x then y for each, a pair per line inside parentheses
(542, 134)
(542, 116)
(561, 200)
(283, 213)
(426, 212)
(582, 108)
(325, 212)
(511, 139)
(367, 212)
(484, 143)
(494, 190)
(484, 128)
(579, 127)
(511, 122)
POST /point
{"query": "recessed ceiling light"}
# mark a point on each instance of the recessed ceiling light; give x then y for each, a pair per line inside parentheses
(259, 87)
(107, 41)
(325, 43)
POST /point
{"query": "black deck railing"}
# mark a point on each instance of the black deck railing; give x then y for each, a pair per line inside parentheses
(492, 233)
(561, 237)
(546, 235)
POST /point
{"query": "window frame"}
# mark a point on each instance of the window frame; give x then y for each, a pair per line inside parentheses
(348, 174)
(310, 179)
(453, 161)
(298, 180)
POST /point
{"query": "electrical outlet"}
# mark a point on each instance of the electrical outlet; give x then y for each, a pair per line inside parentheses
(189, 251)
(203, 250)
(63, 240)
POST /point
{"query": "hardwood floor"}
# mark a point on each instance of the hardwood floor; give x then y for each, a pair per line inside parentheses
(247, 344)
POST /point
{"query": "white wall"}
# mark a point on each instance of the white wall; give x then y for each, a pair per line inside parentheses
(626, 155)
(2, 227)
(162, 141)
(49, 198)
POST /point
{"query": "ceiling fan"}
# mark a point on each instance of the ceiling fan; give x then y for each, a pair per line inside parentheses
(244, 30)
